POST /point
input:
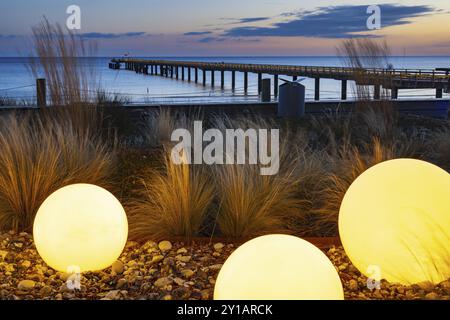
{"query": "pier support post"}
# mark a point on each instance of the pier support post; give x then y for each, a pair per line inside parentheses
(377, 92)
(344, 90)
(259, 83)
(41, 93)
(171, 72)
(265, 90)
(212, 78)
(245, 82)
(196, 75)
(204, 77)
(275, 86)
(317, 89)
(233, 80)
(222, 79)
(394, 93)
(177, 72)
(189, 74)
(439, 93)
(182, 73)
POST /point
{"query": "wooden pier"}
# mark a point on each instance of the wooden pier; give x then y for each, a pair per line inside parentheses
(393, 79)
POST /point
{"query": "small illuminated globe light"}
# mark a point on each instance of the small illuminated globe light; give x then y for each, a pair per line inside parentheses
(80, 227)
(278, 267)
(394, 222)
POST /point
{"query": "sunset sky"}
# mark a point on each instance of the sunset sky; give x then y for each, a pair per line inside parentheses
(232, 27)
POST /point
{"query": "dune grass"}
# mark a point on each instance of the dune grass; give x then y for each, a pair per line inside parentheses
(172, 201)
(37, 157)
(440, 148)
(249, 203)
(159, 125)
(319, 159)
(59, 57)
(67, 142)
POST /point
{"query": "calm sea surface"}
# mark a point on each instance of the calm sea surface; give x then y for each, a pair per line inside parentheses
(17, 82)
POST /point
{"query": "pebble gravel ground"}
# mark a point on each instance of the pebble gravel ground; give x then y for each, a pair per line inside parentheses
(165, 271)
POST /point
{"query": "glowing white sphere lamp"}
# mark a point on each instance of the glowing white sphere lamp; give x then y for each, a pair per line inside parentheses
(80, 226)
(395, 218)
(278, 267)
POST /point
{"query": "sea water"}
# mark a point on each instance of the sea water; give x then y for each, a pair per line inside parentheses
(17, 82)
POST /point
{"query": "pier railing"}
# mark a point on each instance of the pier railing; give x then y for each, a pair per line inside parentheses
(393, 79)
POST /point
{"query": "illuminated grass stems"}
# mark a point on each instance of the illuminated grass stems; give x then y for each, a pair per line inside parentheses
(319, 161)
(252, 204)
(171, 201)
(39, 156)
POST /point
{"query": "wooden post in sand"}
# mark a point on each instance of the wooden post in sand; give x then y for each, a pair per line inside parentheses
(41, 93)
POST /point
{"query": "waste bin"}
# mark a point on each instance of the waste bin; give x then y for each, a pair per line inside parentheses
(291, 101)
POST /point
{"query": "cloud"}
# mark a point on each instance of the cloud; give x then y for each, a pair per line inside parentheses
(99, 35)
(240, 20)
(222, 39)
(247, 20)
(197, 33)
(8, 36)
(247, 40)
(333, 22)
(211, 39)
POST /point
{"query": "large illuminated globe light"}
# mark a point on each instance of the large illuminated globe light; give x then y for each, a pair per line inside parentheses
(278, 267)
(80, 227)
(395, 220)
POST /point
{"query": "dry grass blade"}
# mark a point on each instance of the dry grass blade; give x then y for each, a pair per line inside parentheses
(172, 202)
(440, 148)
(251, 204)
(351, 163)
(58, 57)
(362, 53)
(160, 124)
(63, 60)
(37, 157)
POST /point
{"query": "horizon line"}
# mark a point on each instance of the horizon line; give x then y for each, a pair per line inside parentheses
(234, 56)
